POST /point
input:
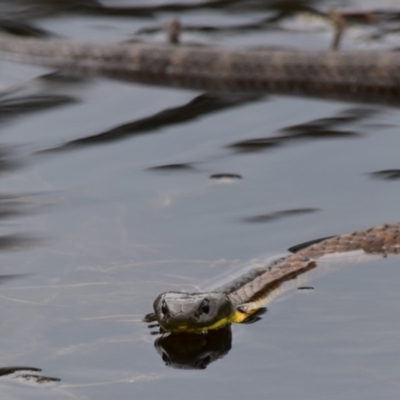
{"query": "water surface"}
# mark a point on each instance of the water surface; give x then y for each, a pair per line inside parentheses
(111, 193)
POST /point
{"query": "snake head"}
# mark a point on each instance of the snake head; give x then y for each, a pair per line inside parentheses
(193, 312)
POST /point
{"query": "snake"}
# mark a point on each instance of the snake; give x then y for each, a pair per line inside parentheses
(354, 75)
(238, 301)
(371, 76)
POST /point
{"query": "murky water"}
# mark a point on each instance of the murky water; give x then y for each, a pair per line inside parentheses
(111, 193)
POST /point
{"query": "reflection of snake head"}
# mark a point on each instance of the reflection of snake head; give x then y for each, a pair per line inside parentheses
(195, 312)
(193, 350)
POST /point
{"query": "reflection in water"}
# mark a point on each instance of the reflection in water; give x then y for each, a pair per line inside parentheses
(12, 206)
(387, 174)
(15, 205)
(31, 376)
(27, 374)
(92, 7)
(179, 351)
(201, 105)
(17, 241)
(18, 205)
(173, 167)
(16, 106)
(279, 214)
(22, 28)
(6, 278)
(225, 177)
(321, 128)
(277, 11)
(197, 350)
(349, 115)
(194, 351)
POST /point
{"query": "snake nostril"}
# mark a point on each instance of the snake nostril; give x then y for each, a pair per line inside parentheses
(205, 306)
(164, 308)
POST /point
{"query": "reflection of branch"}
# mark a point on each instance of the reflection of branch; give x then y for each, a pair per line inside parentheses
(21, 105)
(279, 214)
(5, 371)
(6, 278)
(201, 105)
(11, 206)
(321, 128)
(135, 11)
(16, 242)
(387, 174)
(11, 370)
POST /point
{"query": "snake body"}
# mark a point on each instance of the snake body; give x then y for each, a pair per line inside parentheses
(236, 301)
(359, 75)
(354, 75)
(383, 239)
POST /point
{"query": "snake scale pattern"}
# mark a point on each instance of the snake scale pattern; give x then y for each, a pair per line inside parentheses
(360, 75)
(241, 300)
(355, 75)
(382, 239)
(372, 76)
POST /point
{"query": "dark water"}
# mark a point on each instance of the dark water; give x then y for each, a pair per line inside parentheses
(110, 193)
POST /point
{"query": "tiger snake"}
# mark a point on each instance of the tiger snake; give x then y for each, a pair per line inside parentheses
(239, 300)
(366, 76)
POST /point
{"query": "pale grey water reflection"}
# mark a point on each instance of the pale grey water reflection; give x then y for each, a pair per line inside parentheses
(123, 215)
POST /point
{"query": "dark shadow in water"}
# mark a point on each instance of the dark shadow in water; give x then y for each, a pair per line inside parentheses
(27, 374)
(12, 206)
(18, 205)
(63, 77)
(255, 145)
(198, 350)
(225, 176)
(16, 106)
(322, 128)
(264, 24)
(194, 351)
(16, 20)
(95, 7)
(6, 278)
(281, 9)
(347, 116)
(201, 105)
(20, 27)
(386, 174)
(16, 242)
(8, 162)
(278, 215)
(173, 167)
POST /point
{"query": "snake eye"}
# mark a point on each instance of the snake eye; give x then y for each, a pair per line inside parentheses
(164, 307)
(205, 306)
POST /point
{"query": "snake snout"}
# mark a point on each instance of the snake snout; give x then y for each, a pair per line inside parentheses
(192, 312)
